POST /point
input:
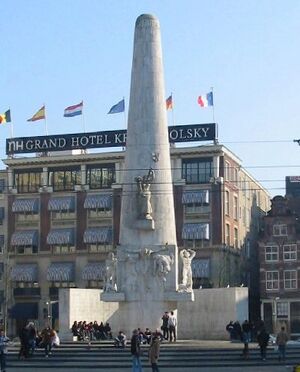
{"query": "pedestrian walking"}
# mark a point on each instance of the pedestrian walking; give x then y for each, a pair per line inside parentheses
(154, 350)
(246, 338)
(136, 352)
(263, 338)
(281, 340)
(3, 350)
(172, 324)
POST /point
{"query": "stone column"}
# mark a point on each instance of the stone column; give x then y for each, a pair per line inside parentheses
(147, 267)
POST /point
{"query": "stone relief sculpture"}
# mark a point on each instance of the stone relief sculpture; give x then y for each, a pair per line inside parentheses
(162, 265)
(187, 256)
(146, 267)
(111, 273)
(144, 195)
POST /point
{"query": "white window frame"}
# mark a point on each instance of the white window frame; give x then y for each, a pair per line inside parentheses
(269, 255)
(227, 202)
(235, 207)
(280, 230)
(290, 252)
(291, 280)
(236, 237)
(227, 234)
(227, 170)
(272, 280)
(282, 310)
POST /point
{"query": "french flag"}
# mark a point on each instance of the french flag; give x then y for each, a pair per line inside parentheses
(73, 110)
(207, 100)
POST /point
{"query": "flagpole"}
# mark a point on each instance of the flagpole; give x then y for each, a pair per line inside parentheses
(45, 121)
(83, 120)
(172, 110)
(124, 114)
(213, 106)
(11, 126)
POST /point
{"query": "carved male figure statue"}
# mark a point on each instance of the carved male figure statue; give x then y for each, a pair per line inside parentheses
(144, 194)
(187, 256)
(111, 270)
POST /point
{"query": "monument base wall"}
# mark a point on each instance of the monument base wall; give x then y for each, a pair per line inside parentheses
(205, 318)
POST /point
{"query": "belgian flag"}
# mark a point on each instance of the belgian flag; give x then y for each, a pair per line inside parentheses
(5, 118)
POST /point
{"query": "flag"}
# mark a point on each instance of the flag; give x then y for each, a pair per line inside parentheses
(119, 107)
(38, 115)
(73, 110)
(207, 100)
(169, 103)
(5, 118)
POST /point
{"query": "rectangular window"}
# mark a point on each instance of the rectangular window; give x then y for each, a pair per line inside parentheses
(198, 170)
(290, 279)
(1, 244)
(271, 253)
(236, 238)
(236, 176)
(272, 280)
(101, 176)
(227, 234)
(235, 208)
(280, 230)
(227, 171)
(26, 181)
(290, 252)
(64, 179)
(227, 203)
(282, 310)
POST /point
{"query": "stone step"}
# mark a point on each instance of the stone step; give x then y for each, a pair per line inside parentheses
(176, 356)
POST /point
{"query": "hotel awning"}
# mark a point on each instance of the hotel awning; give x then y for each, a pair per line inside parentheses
(25, 206)
(200, 268)
(24, 238)
(61, 237)
(24, 273)
(94, 271)
(195, 197)
(98, 201)
(197, 231)
(65, 203)
(61, 272)
(98, 235)
(25, 310)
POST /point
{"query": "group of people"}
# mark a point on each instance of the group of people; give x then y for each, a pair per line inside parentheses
(248, 332)
(169, 326)
(31, 338)
(91, 331)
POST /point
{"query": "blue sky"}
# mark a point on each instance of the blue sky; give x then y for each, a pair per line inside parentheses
(62, 52)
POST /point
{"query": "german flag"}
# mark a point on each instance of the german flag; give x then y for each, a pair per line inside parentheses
(5, 118)
(40, 114)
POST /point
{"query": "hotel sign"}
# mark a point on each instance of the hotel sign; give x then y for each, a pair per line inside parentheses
(115, 138)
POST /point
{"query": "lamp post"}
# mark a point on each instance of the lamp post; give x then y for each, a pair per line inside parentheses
(48, 303)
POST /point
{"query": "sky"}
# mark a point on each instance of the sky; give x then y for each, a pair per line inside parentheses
(60, 52)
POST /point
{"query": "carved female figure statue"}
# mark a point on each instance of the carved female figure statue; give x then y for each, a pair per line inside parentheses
(187, 256)
(144, 194)
(111, 273)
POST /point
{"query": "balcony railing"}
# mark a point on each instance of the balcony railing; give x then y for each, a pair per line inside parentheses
(27, 292)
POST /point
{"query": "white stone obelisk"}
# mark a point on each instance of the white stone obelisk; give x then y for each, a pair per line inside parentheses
(147, 257)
